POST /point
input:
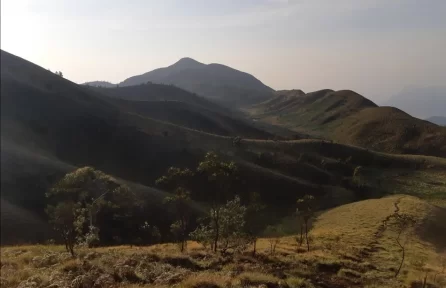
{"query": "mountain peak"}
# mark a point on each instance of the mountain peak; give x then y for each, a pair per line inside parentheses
(187, 62)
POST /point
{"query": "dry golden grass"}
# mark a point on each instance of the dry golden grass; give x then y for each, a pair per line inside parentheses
(207, 278)
(352, 228)
(345, 251)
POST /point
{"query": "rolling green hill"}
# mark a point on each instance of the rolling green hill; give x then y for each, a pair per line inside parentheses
(350, 118)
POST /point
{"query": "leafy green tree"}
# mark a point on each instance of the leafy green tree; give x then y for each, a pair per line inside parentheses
(220, 174)
(78, 197)
(306, 208)
(179, 228)
(232, 225)
(63, 216)
(231, 228)
(177, 180)
(203, 234)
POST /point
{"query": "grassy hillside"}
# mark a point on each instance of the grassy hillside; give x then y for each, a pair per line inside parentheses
(391, 130)
(351, 246)
(349, 118)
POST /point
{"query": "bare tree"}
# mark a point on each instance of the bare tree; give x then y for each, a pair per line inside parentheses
(403, 224)
(306, 211)
(274, 234)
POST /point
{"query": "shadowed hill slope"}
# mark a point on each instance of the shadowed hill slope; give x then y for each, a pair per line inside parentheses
(177, 106)
(217, 82)
(50, 126)
(350, 118)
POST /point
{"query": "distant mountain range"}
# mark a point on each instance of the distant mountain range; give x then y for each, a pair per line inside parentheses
(421, 102)
(103, 84)
(437, 120)
(217, 82)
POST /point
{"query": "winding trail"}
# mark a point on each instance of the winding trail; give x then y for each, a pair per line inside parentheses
(373, 246)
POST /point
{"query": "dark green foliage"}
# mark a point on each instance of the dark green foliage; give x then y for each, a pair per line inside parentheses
(177, 180)
(228, 225)
(86, 201)
(220, 175)
(63, 216)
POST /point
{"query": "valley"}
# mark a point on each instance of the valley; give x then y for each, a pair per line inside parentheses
(365, 165)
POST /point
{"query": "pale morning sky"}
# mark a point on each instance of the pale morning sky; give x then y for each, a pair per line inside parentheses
(371, 46)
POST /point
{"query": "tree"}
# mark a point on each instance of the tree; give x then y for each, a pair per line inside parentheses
(203, 234)
(403, 223)
(81, 195)
(177, 180)
(441, 280)
(179, 228)
(236, 141)
(255, 222)
(59, 73)
(306, 211)
(152, 232)
(274, 234)
(231, 228)
(220, 174)
(63, 217)
(232, 224)
(359, 179)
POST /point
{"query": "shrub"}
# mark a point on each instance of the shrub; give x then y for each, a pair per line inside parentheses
(207, 280)
(296, 282)
(348, 273)
(255, 278)
(328, 266)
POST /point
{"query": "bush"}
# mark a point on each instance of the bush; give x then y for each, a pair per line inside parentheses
(329, 266)
(255, 278)
(295, 282)
(348, 273)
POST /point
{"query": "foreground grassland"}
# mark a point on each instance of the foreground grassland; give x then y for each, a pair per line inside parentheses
(351, 246)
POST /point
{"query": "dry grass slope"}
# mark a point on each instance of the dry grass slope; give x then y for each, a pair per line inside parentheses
(351, 246)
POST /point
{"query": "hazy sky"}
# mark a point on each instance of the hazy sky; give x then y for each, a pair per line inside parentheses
(371, 46)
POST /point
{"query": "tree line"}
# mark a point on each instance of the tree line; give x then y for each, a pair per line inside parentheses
(88, 207)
